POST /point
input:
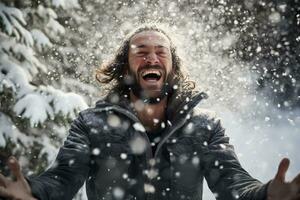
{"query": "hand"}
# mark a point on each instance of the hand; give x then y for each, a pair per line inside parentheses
(279, 189)
(18, 189)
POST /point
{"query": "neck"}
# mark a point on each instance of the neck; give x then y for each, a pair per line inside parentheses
(151, 115)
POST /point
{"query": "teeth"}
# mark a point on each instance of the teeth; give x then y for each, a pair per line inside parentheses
(151, 72)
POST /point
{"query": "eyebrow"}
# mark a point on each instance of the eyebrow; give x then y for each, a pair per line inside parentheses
(157, 46)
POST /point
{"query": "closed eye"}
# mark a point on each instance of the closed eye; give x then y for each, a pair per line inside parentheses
(162, 53)
(141, 53)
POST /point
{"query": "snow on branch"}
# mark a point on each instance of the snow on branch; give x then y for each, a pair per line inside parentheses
(48, 148)
(41, 40)
(22, 53)
(67, 104)
(13, 23)
(66, 4)
(46, 12)
(53, 28)
(14, 76)
(35, 107)
(9, 131)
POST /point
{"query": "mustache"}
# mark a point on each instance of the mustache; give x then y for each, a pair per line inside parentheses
(145, 67)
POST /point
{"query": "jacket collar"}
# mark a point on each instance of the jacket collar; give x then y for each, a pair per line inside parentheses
(179, 104)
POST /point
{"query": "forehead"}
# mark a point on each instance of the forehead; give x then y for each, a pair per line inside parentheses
(150, 38)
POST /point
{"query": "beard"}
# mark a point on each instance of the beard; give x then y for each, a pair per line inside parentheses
(133, 83)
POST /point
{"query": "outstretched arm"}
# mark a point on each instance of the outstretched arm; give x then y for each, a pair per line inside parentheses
(228, 180)
(223, 172)
(63, 179)
(70, 169)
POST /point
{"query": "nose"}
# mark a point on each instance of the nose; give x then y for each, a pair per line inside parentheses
(152, 59)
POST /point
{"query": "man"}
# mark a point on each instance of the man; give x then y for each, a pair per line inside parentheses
(147, 139)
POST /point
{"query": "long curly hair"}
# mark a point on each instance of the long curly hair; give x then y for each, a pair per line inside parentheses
(111, 74)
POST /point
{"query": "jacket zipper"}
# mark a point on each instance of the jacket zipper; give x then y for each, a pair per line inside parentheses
(149, 154)
(129, 114)
(135, 119)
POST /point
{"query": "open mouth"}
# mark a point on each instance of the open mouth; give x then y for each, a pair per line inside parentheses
(151, 75)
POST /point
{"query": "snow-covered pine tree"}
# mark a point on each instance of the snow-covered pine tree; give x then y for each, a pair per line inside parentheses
(33, 108)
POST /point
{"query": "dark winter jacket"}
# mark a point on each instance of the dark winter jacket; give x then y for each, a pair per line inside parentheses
(108, 149)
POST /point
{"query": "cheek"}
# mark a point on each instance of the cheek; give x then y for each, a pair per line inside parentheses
(135, 61)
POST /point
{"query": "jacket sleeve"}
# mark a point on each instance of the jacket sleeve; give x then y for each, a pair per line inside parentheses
(223, 172)
(70, 169)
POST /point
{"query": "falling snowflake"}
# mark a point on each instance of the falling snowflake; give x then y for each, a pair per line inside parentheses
(113, 120)
(139, 127)
(148, 188)
(138, 145)
(123, 156)
(71, 162)
(96, 151)
(195, 161)
(118, 193)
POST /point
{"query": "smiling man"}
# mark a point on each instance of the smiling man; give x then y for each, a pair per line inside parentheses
(147, 139)
(150, 69)
(150, 64)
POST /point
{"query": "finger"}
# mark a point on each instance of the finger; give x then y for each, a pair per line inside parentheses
(282, 168)
(2, 181)
(296, 180)
(15, 168)
(4, 193)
